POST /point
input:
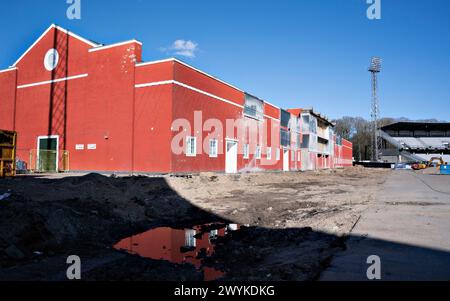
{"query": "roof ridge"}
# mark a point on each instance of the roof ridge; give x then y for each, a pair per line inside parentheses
(53, 25)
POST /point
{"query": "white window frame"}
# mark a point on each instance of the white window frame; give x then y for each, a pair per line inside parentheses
(246, 151)
(278, 154)
(259, 104)
(189, 238)
(189, 141)
(258, 153)
(269, 153)
(293, 156)
(213, 151)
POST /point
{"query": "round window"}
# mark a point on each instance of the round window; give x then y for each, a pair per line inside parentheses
(51, 59)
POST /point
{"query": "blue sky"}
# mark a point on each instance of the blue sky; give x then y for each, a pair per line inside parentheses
(296, 53)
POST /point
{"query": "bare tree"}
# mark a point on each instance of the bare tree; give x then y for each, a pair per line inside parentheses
(358, 131)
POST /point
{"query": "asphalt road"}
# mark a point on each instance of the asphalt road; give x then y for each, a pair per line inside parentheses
(407, 226)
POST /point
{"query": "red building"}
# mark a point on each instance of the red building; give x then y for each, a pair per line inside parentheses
(80, 106)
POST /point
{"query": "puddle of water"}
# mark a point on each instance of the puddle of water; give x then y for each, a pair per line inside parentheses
(179, 245)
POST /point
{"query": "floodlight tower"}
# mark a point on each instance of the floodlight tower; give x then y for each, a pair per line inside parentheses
(374, 69)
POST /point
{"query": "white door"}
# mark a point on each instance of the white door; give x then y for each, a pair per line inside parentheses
(231, 157)
(286, 160)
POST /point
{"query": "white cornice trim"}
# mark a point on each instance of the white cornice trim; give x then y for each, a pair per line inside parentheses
(154, 62)
(9, 69)
(189, 66)
(200, 71)
(76, 36)
(114, 45)
(167, 82)
(45, 32)
(174, 82)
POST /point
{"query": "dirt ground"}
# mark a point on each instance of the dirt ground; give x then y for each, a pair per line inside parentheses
(328, 201)
(295, 222)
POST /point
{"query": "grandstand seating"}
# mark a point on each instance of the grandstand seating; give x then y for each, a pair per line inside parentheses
(424, 142)
(416, 141)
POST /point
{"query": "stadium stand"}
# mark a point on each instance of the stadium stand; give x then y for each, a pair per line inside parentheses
(406, 142)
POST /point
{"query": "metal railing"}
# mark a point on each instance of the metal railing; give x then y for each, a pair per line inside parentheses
(48, 161)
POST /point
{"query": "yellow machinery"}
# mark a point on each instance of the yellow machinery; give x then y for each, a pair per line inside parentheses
(7, 153)
(419, 166)
(431, 163)
(440, 162)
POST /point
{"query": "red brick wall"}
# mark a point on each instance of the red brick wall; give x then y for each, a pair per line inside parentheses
(7, 99)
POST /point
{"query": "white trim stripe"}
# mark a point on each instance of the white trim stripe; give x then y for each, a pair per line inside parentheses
(209, 94)
(155, 62)
(45, 32)
(7, 70)
(190, 88)
(34, 44)
(271, 104)
(114, 45)
(202, 72)
(165, 82)
(191, 67)
(73, 35)
(52, 81)
(168, 82)
(270, 117)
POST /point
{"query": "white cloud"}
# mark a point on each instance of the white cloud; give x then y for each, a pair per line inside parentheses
(183, 48)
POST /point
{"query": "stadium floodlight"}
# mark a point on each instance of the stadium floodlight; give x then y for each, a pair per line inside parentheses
(375, 64)
(374, 69)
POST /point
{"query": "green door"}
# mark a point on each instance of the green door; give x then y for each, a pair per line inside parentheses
(48, 150)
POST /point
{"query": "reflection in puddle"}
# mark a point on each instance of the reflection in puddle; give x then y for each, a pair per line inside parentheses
(179, 246)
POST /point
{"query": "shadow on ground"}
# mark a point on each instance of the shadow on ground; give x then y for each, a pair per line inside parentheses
(46, 220)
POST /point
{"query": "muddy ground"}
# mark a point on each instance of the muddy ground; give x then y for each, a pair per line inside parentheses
(296, 222)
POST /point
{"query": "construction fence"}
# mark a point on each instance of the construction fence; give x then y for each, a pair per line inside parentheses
(41, 161)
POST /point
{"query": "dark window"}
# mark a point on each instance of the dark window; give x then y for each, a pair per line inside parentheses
(285, 138)
(285, 118)
(305, 142)
(322, 140)
(48, 144)
(254, 107)
(299, 140)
